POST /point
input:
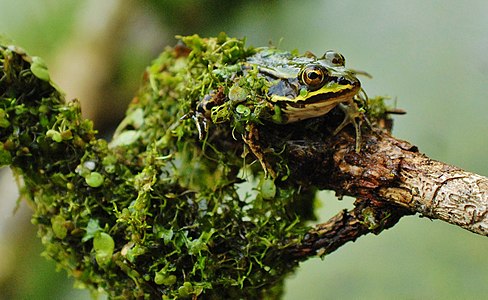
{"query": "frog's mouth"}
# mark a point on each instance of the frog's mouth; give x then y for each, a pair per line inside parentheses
(317, 105)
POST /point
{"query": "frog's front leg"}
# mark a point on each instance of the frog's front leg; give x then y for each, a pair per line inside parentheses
(203, 113)
(201, 123)
(251, 138)
(351, 112)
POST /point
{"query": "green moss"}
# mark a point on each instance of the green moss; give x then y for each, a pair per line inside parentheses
(158, 212)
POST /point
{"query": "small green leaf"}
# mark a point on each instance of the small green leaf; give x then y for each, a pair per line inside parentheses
(54, 135)
(125, 138)
(237, 94)
(185, 290)
(91, 229)
(58, 224)
(243, 110)
(39, 68)
(4, 122)
(66, 135)
(94, 179)
(134, 252)
(164, 279)
(268, 188)
(5, 156)
(165, 234)
(104, 245)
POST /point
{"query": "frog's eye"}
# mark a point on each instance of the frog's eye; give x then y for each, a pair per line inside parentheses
(313, 76)
(334, 58)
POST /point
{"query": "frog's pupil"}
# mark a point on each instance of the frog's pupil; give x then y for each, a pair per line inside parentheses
(312, 75)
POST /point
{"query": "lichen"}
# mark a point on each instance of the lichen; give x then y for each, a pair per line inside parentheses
(160, 212)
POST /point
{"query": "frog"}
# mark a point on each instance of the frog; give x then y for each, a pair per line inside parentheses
(307, 86)
(299, 87)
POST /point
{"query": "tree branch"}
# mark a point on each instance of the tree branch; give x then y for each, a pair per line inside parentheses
(347, 226)
(389, 177)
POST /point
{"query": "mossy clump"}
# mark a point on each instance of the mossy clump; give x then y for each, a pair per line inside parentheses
(203, 220)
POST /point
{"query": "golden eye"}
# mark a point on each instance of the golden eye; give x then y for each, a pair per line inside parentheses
(313, 76)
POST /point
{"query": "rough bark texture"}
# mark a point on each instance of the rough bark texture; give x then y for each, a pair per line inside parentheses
(389, 177)
(440, 191)
(347, 226)
(397, 173)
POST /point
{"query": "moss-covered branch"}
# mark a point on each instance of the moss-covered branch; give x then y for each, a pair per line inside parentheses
(183, 205)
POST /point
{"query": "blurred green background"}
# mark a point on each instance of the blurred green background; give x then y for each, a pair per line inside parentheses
(429, 56)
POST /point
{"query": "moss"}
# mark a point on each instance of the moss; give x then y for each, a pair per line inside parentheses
(160, 211)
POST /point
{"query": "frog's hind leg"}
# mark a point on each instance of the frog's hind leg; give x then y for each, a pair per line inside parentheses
(251, 138)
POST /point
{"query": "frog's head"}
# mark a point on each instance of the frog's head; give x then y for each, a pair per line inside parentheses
(306, 86)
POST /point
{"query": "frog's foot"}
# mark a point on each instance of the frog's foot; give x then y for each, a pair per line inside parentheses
(251, 138)
(351, 112)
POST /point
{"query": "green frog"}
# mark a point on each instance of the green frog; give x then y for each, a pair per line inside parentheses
(305, 87)
(296, 87)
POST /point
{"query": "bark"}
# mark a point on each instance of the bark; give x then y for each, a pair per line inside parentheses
(389, 177)
(441, 191)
